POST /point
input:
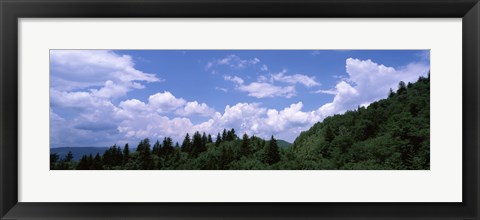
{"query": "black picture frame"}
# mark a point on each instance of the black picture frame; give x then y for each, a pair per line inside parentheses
(12, 10)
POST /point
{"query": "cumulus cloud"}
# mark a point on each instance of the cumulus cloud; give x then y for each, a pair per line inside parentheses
(78, 69)
(165, 102)
(84, 83)
(156, 118)
(253, 119)
(110, 90)
(195, 108)
(367, 82)
(250, 118)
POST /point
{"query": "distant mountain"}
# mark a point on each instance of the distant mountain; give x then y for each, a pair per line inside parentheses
(77, 152)
(283, 144)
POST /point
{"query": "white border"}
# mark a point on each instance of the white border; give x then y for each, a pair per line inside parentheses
(440, 184)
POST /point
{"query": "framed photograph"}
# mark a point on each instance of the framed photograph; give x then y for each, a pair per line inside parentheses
(239, 109)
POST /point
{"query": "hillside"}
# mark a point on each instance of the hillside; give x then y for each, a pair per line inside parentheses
(283, 144)
(392, 133)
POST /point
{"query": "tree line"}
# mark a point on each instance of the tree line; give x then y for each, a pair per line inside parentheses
(199, 151)
(390, 134)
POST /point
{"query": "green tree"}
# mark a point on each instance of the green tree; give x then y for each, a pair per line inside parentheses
(69, 157)
(245, 149)
(224, 135)
(167, 146)
(209, 139)
(231, 135)
(391, 93)
(197, 144)
(83, 164)
(144, 155)
(401, 87)
(204, 139)
(187, 144)
(156, 148)
(219, 140)
(97, 163)
(126, 154)
(272, 153)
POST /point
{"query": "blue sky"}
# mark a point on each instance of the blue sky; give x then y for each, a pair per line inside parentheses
(101, 97)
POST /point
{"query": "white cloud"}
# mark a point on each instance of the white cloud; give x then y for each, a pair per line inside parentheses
(368, 82)
(262, 89)
(133, 105)
(154, 126)
(308, 81)
(194, 108)
(84, 82)
(265, 90)
(78, 100)
(321, 91)
(289, 117)
(110, 90)
(78, 69)
(253, 119)
(165, 102)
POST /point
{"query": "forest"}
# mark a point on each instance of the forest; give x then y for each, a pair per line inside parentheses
(389, 134)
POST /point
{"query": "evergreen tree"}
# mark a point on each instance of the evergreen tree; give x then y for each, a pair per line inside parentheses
(391, 93)
(187, 144)
(204, 139)
(233, 136)
(209, 139)
(167, 146)
(401, 87)
(272, 153)
(144, 155)
(156, 148)
(126, 154)
(224, 135)
(69, 157)
(219, 140)
(245, 149)
(83, 164)
(90, 162)
(97, 163)
(197, 144)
